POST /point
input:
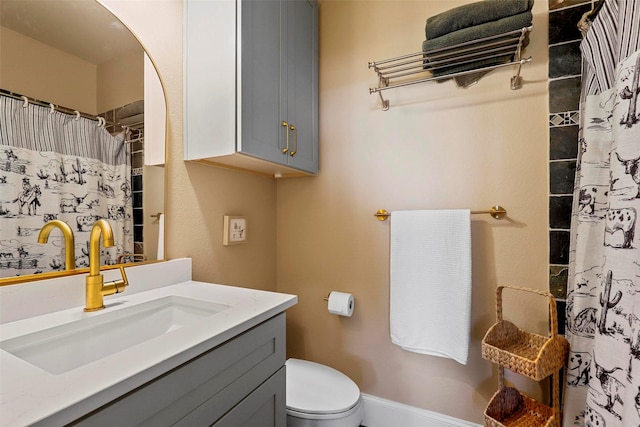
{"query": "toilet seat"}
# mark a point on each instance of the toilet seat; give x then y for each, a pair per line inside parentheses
(316, 391)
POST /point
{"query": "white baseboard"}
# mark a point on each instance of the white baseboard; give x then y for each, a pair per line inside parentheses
(386, 413)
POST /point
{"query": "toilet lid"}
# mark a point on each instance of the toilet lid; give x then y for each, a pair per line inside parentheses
(318, 389)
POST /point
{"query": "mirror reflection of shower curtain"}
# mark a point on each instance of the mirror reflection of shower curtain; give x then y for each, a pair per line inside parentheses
(56, 166)
(603, 292)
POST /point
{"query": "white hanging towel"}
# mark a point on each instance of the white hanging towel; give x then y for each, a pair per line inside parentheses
(161, 237)
(430, 293)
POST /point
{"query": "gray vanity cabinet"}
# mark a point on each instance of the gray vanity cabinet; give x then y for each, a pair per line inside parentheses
(261, 408)
(240, 383)
(252, 101)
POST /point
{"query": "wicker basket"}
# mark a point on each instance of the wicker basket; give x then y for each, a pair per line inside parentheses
(532, 355)
(510, 408)
(528, 354)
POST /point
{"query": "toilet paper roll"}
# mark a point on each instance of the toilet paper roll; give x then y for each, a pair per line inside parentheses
(341, 303)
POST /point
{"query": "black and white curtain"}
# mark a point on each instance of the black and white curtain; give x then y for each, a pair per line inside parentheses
(58, 166)
(603, 300)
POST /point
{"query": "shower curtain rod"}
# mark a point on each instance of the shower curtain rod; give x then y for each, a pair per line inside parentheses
(53, 107)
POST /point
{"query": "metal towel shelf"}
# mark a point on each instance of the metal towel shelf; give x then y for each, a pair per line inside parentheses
(424, 63)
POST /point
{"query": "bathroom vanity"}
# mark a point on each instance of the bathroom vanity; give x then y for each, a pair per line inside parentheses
(188, 353)
(241, 382)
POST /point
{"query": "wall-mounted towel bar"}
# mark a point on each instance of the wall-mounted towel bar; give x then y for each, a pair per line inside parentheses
(476, 56)
(498, 212)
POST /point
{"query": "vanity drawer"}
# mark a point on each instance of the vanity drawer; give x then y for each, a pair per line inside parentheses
(219, 378)
(264, 407)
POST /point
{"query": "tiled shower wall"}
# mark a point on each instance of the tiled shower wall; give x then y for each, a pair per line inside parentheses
(137, 162)
(564, 96)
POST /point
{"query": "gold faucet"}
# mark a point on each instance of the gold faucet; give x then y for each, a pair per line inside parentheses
(69, 245)
(96, 288)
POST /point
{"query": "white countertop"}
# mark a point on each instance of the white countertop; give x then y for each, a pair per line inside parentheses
(29, 395)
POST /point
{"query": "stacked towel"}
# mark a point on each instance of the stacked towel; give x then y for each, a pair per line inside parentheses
(430, 286)
(471, 22)
(131, 114)
(474, 14)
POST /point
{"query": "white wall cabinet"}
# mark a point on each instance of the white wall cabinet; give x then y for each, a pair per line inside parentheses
(155, 116)
(240, 383)
(251, 84)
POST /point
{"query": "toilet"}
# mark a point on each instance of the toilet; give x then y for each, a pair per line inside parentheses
(320, 396)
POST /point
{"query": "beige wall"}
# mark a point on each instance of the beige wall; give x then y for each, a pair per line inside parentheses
(67, 80)
(438, 147)
(120, 81)
(198, 196)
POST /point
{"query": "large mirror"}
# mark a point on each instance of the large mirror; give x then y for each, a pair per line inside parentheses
(77, 63)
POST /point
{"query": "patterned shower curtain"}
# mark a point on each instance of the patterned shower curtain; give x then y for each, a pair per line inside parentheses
(56, 166)
(603, 299)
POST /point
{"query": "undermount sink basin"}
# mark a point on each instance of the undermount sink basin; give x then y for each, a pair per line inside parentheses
(63, 348)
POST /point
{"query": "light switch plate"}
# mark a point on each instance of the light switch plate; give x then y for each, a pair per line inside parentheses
(235, 230)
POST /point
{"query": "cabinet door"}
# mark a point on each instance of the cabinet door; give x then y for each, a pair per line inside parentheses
(261, 74)
(302, 81)
(279, 82)
(265, 407)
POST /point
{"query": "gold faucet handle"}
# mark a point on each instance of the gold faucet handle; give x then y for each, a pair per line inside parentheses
(116, 286)
(130, 257)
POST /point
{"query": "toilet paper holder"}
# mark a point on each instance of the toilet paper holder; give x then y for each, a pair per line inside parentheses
(340, 303)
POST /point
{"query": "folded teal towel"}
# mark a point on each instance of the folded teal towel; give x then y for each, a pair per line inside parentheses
(479, 63)
(488, 29)
(476, 32)
(473, 65)
(473, 14)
